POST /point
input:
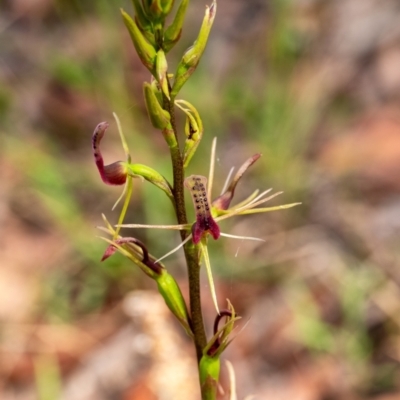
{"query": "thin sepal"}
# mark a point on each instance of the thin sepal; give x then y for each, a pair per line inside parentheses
(222, 202)
(132, 254)
(205, 255)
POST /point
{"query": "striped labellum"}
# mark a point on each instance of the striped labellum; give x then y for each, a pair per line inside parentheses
(204, 221)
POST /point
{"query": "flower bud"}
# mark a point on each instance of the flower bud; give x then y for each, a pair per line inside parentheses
(172, 295)
(159, 117)
(161, 72)
(113, 174)
(143, 23)
(157, 10)
(191, 58)
(193, 130)
(173, 32)
(209, 366)
(145, 50)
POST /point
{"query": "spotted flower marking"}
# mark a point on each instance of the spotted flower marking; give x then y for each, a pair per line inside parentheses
(204, 221)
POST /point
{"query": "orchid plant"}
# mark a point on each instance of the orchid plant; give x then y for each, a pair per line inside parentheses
(152, 41)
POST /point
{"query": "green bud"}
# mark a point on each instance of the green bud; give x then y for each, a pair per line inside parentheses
(155, 87)
(209, 368)
(161, 72)
(173, 32)
(152, 176)
(145, 50)
(157, 10)
(193, 130)
(172, 295)
(143, 23)
(159, 117)
(191, 58)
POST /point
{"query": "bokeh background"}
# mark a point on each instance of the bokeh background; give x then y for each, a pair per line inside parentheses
(314, 85)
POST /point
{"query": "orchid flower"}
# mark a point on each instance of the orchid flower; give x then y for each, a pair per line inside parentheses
(209, 214)
(122, 172)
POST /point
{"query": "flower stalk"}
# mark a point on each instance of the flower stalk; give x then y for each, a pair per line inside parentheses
(152, 41)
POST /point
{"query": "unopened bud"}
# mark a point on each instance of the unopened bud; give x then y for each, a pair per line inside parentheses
(145, 50)
(191, 58)
(174, 31)
(193, 130)
(161, 72)
(170, 291)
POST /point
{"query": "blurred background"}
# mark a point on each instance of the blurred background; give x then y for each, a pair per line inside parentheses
(314, 85)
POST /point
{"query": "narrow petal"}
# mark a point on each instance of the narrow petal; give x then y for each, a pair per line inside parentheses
(212, 166)
(172, 227)
(232, 380)
(204, 250)
(256, 239)
(222, 202)
(174, 249)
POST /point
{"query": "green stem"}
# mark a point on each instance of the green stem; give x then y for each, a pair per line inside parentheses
(191, 252)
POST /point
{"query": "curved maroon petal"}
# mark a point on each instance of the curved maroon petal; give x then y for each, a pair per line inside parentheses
(113, 174)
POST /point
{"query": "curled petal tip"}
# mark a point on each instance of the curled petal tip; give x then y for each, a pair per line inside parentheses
(110, 250)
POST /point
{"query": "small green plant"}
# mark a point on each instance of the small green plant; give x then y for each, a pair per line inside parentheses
(152, 40)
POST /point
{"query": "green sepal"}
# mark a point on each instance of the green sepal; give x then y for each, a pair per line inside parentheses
(193, 130)
(143, 23)
(161, 72)
(174, 31)
(159, 117)
(170, 291)
(145, 50)
(152, 176)
(209, 368)
(192, 56)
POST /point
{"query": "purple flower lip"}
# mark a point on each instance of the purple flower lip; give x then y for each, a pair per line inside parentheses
(112, 174)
